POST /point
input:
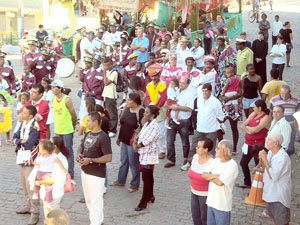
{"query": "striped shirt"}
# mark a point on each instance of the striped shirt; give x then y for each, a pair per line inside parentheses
(290, 106)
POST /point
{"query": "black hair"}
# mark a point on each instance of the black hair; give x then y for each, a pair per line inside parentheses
(66, 91)
(59, 143)
(262, 104)
(108, 60)
(95, 116)
(256, 149)
(274, 73)
(47, 145)
(154, 110)
(175, 80)
(168, 35)
(135, 97)
(39, 87)
(100, 108)
(207, 143)
(243, 33)
(189, 58)
(152, 54)
(90, 104)
(9, 62)
(286, 23)
(46, 79)
(207, 86)
(260, 32)
(199, 40)
(41, 26)
(249, 65)
(135, 83)
(32, 110)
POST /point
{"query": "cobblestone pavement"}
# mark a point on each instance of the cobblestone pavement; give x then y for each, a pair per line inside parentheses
(172, 190)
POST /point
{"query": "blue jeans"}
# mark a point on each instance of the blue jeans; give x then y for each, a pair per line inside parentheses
(217, 217)
(68, 142)
(199, 209)
(129, 158)
(183, 130)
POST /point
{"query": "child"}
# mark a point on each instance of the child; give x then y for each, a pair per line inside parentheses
(208, 37)
(22, 99)
(5, 116)
(230, 89)
(140, 73)
(172, 92)
(28, 79)
(45, 162)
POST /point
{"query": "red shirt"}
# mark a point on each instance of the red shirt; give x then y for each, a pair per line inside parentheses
(42, 110)
(259, 137)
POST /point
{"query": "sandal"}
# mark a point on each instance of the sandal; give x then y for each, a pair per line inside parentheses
(115, 183)
(9, 142)
(264, 214)
(242, 186)
(131, 190)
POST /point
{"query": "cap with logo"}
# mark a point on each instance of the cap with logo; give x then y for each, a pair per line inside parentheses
(87, 59)
(32, 42)
(46, 51)
(97, 56)
(154, 69)
(112, 24)
(240, 40)
(100, 30)
(124, 36)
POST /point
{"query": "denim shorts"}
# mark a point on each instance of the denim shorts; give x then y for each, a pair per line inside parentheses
(249, 102)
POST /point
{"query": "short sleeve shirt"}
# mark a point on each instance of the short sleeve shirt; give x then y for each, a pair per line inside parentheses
(110, 91)
(95, 145)
(144, 43)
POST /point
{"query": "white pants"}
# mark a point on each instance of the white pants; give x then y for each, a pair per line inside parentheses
(162, 136)
(93, 193)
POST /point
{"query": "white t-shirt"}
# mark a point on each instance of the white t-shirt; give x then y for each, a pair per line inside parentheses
(3, 85)
(85, 44)
(46, 164)
(220, 197)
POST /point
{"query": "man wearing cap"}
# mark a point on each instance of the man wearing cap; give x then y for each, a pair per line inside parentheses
(152, 36)
(44, 65)
(183, 52)
(86, 46)
(140, 46)
(114, 35)
(125, 52)
(130, 69)
(163, 32)
(244, 56)
(98, 42)
(65, 119)
(7, 74)
(156, 94)
(57, 46)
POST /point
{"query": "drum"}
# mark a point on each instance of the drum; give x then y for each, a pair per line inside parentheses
(65, 67)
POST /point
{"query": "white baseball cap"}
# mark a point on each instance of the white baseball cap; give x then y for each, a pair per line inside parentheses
(57, 83)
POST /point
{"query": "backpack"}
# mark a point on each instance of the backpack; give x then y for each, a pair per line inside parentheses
(122, 82)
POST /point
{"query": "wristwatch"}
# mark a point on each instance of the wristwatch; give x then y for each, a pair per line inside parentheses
(91, 161)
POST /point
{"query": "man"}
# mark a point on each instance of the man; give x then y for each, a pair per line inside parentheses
(244, 56)
(183, 52)
(152, 36)
(185, 105)
(7, 73)
(23, 43)
(57, 47)
(243, 36)
(276, 27)
(264, 26)
(272, 88)
(40, 35)
(171, 70)
(57, 217)
(27, 138)
(65, 119)
(156, 94)
(32, 54)
(124, 54)
(277, 179)
(109, 93)
(87, 47)
(140, 46)
(36, 95)
(164, 31)
(113, 36)
(44, 65)
(281, 126)
(208, 120)
(92, 155)
(98, 42)
(76, 38)
(222, 177)
(260, 52)
(291, 105)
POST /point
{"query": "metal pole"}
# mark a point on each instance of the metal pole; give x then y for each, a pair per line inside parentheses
(240, 6)
(20, 18)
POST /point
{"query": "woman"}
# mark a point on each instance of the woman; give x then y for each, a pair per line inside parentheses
(199, 186)
(157, 45)
(48, 96)
(251, 86)
(198, 53)
(58, 178)
(90, 105)
(119, 19)
(187, 30)
(287, 36)
(256, 129)
(278, 53)
(148, 151)
(129, 121)
(137, 86)
(105, 117)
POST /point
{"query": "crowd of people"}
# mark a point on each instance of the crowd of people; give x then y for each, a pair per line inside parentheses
(166, 87)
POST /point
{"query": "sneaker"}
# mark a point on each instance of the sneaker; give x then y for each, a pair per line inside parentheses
(111, 134)
(185, 167)
(176, 121)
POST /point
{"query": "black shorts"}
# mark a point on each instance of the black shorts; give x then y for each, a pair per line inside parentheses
(279, 212)
(289, 47)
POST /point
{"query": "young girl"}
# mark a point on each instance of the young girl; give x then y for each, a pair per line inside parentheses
(172, 92)
(5, 116)
(48, 97)
(28, 79)
(45, 162)
(22, 99)
(230, 89)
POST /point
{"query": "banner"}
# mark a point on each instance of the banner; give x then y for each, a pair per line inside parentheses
(124, 5)
(163, 14)
(234, 24)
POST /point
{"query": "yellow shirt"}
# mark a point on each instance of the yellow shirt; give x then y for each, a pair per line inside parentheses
(243, 58)
(272, 88)
(110, 91)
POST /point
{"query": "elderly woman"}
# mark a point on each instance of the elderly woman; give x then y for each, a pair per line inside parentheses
(199, 186)
(172, 70)
(129, 121)
(256, 129)
(148, 151)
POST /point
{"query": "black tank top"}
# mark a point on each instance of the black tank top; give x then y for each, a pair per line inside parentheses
(250, 88)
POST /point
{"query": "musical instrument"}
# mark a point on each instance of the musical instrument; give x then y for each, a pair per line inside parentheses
(65, 67)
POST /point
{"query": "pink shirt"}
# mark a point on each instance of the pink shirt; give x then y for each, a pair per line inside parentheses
(169, 73)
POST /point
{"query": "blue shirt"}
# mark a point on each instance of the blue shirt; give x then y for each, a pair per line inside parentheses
(144, 43)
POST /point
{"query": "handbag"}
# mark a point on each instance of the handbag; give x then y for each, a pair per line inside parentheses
(69, 185)
(23, 156)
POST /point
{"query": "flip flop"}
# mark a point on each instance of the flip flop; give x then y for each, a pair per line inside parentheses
(131, 190)
(264, 214)
(115, 183)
